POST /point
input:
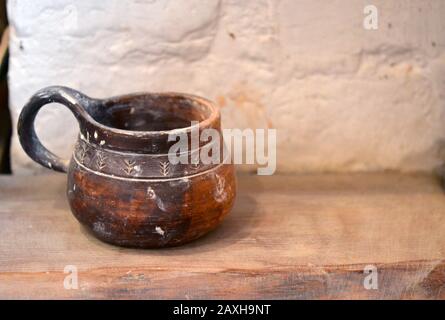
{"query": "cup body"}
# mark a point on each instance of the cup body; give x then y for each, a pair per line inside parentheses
(148, 212)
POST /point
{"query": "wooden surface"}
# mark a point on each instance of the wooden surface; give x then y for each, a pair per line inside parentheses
(307, 236)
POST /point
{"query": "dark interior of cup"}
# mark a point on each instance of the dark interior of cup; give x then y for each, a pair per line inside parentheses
(150, 112)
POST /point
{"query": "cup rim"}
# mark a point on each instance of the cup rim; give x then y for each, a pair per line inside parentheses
(213, 115)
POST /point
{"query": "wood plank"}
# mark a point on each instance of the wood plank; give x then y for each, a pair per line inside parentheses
(297, 236)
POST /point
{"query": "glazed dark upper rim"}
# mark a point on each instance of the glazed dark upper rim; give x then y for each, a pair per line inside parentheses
(211, 119)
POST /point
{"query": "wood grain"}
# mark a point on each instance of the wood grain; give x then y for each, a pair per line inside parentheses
(291, 237)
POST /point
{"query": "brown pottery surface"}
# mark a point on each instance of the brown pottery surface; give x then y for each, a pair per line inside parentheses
(121, 184)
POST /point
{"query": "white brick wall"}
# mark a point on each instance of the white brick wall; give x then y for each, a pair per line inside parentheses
(341, 97)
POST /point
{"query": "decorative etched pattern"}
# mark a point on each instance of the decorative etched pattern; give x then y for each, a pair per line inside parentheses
(100, 160)
(129, 166)
(82, 153)
(95, 157)
(164, 168)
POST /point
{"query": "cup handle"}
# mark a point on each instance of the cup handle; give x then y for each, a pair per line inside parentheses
(77, 102)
